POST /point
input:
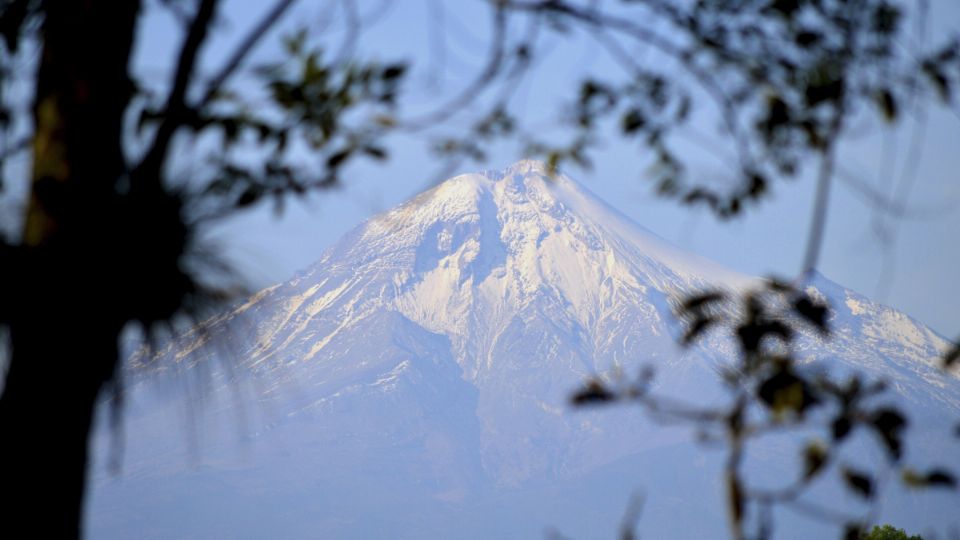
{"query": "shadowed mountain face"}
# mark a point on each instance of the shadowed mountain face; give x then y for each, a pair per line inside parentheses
(413, 383)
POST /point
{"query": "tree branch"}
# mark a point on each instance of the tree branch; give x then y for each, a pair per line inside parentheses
(243, 50)
(175, 109)
(818, 221)
(475, 88)
(601, 21)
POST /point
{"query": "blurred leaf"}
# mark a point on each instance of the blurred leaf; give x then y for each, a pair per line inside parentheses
(889, 424)
(807, 38)
(853, 531)
(886, 18)
(861, 483)
(337, 158)
(757, 186)
(940, 82)
(249, 196)
(840, 427)
(939, 477)
(785, 392)
(701, 300)
(887, 104)
(933, 478)
(814, 458)
(375, 152)
(951, 357)
(697, 327)
(594, 392)
(393, 71)
(632, 121)
(751, 334)
(813, 312)
(294, 42)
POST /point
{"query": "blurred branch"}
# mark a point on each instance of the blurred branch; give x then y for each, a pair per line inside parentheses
(477, 86)
(176, 108)
(243, 50)
(766, 395)
(818, 218)
(892, 207)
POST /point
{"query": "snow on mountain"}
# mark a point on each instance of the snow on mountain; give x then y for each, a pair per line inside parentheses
(415, 379)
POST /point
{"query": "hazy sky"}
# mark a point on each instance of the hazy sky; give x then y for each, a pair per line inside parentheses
(909, 262)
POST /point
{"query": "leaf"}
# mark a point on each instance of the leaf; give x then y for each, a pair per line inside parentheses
(594, 392)
(294, 42)
(632, 121)
(785, 392)
(841, 427)
(814, 458)
(951, 357)
(815, 313)
(337, 158)
(886, 19)
(778, 115)
(861, 483)
(751, 334)
(806, 38)
(933, 478)
(887, 104)
(375, 152)
(697, 327)
(758, 185)
(698, 301)
(939, 477)
(933, 72)
(393, 71)
(249, 196)
(889, 424)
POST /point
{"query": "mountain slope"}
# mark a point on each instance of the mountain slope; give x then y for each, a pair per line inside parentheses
(426, 360)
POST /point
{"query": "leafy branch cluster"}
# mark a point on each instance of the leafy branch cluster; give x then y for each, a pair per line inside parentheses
(784, 78)
(769, 391)
(329, 110)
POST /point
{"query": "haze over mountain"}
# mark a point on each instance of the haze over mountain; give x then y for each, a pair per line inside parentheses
(414, 383)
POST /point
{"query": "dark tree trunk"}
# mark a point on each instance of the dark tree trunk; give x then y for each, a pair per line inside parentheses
(68, 306)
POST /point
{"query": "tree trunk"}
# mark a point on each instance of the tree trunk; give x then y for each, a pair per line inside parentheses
(67, 309)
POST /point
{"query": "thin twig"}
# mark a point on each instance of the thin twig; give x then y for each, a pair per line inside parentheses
(475, 88)
(175, 108)
(601, 20)
(818, 219)
(243, 50)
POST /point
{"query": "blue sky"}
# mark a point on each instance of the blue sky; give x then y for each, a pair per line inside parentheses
(913, 268)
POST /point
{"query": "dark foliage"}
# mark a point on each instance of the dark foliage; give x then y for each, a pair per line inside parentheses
(767, 392)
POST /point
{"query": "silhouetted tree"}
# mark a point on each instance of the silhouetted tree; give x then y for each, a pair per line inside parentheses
(109, 234)
(889, 532)
(108, 238)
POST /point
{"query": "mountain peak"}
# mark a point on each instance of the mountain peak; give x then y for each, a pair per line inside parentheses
(428, 357)
(518, 177)
(522, 167)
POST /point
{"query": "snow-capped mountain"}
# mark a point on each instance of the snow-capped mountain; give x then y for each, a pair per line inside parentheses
(414, 382)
